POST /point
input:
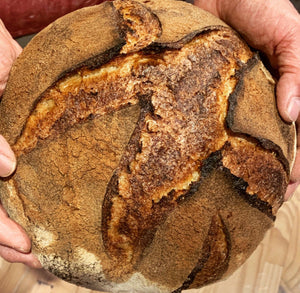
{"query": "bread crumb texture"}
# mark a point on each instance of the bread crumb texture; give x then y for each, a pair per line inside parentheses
(136, 169)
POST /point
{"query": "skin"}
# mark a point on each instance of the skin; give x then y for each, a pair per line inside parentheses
(270, 26)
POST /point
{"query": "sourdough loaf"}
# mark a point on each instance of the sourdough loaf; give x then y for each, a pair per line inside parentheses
(151, 155)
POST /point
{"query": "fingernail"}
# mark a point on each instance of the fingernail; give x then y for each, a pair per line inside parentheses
(22, 249)
(5, 149)
(291, 189)
(293, 108)
(36, 263)
(7, 166)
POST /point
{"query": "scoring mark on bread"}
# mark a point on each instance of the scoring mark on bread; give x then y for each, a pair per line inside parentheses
(249, 161)
(215, 250)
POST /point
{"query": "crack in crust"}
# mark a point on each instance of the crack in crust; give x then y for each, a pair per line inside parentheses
(216, 250)
(256, 166)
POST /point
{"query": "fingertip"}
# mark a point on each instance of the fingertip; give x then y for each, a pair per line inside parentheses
(14, 256)
(12, 234)
(35, 263)
(5, 149)
(7, 158)
(288, 97)
(292, 187)
(293, 108)
(7, 166)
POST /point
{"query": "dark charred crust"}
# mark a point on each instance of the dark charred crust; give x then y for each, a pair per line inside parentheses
(98, 60)
(187, 38)
(233, 102)
(112, 190)
(193, 189)
(253, 200)
(269, 145)
(146, 104)
(234, 96)
(243, 118)
(211, 163)
(215, 256)
(138, 24)
(214, 162)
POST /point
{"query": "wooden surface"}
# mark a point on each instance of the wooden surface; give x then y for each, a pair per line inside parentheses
(274, 266)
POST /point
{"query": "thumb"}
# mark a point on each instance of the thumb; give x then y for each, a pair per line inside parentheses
(288, 93)
(7, 158)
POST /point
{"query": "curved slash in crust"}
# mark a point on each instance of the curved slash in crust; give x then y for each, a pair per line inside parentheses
(231, 161)
(260, 119)
(214, 259)
(265, 175)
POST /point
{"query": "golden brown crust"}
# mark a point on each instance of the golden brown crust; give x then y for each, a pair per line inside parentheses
(255, 166)
(124, 154)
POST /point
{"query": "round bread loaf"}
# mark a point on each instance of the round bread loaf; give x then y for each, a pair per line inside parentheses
(151, 155)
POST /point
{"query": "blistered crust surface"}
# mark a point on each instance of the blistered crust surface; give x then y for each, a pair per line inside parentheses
(74, 39)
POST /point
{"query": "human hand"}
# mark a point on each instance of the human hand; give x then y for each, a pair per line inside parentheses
(9, 50)
(15, 245)
(272, 27)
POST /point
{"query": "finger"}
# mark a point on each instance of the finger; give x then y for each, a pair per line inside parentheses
(13, 256)
(288, 93)
(291, 190)
(12, 235)
(9, 51)
(7, 158)
(210, 6)
(295, 174)
(294, 179)
(5, 34)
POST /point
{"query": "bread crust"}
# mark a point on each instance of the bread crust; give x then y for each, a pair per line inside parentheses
(136, 125)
